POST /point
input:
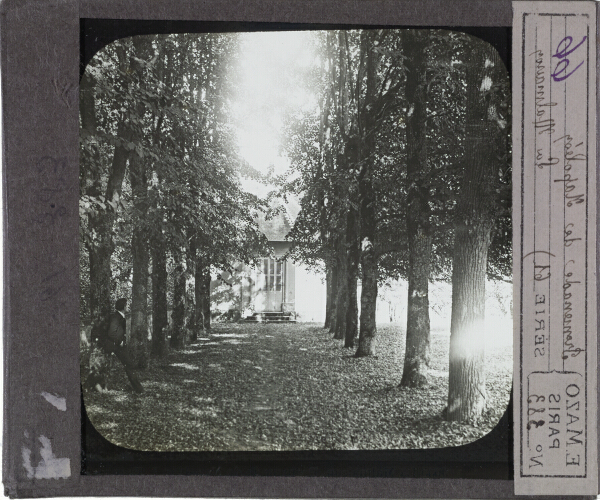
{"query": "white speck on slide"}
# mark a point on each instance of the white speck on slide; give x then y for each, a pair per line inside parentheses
(56, 401)
(49, 467)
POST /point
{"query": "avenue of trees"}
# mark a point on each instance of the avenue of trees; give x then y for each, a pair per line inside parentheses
(161, 200)
(402, 171)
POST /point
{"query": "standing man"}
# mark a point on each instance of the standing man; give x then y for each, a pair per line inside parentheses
(113, 341)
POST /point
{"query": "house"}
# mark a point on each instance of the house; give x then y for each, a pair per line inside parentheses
(277, 285)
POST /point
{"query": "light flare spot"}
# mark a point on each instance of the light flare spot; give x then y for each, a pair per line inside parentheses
(201, 399)
(208, 412)
(186, 366)
(454, 405)
(486, 84)
(366, 244)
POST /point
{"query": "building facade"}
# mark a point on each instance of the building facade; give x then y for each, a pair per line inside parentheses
(276, 285)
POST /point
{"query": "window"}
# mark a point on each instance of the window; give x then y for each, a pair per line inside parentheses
(272, 273)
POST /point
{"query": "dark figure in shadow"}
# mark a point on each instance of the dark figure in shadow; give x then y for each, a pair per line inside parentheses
(113, 341)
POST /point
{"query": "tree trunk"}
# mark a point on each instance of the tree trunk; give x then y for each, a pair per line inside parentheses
(351, 333)
(334, 296)
(198, 284)
(178, 334)
(370, 276)
(416, 359)
(473, 225)
(328, 298)
(368, 301)
(202, 292)
(343, 302)
(206, 300)
(368, 220)
(160, 306)
(192, 263)
(102, 223)
(466, 385)
(342, 299)
(138, 342)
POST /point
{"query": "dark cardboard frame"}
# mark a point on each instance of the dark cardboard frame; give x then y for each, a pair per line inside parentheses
(40, 51)
(487, 458)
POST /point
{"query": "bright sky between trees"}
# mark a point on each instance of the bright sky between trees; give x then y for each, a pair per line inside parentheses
(271, 70)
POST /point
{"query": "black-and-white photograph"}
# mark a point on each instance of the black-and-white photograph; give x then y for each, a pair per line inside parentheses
(296, 240)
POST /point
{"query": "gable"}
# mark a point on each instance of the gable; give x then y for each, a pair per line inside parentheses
(276, 228)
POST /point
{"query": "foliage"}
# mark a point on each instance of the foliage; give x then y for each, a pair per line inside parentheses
(317, 141)
(162, 100)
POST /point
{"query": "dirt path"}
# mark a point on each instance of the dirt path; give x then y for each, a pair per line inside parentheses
(288, 387)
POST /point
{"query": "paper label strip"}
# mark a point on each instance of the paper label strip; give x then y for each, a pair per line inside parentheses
(554, 207)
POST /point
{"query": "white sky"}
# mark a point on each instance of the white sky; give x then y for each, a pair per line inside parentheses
(270, 66)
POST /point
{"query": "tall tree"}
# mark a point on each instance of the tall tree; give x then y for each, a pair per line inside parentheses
(102, 179)
(154, 108)
(178, 331)
(366, 196)
(138, 179)
(318, 150)
(138, 342)
(160, 305)
(349, 66)
(418, 224)
(202, 291)
(485, 154)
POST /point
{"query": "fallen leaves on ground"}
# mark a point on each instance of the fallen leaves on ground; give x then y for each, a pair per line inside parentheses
(289, 387)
